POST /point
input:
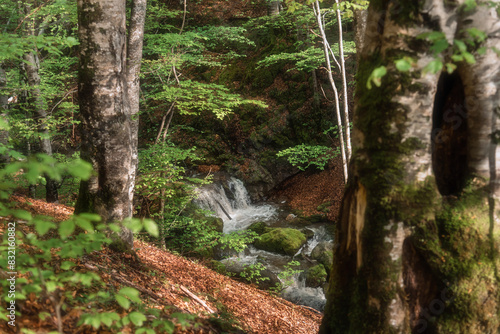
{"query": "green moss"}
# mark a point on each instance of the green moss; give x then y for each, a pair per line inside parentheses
(316, 276)
(259, 228)
(281, 240)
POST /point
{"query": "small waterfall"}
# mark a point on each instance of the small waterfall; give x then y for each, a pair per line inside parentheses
(232, 204)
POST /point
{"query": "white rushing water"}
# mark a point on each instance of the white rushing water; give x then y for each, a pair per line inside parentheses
(232, 204)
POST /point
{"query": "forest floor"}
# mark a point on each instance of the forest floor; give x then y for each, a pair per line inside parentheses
(305, 191)
(169, 281)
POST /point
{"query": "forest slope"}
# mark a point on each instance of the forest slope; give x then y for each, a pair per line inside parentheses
(163, 279)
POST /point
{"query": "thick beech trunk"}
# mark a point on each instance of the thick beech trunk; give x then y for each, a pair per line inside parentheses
(109, 103)
(417, 245)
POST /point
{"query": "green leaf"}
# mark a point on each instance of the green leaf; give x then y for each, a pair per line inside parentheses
(376, 76)
(450, 67)
(133, 224)
(66, 265)
(477, 34)
(80, 169)
(460, 45)
(22, 214)
(42, 226)
(66, 228)
(151, 227)
(85, 224)
(108, 318)
(469, 58)
(145, 330)
(439, 46)
(122, 301)
(137, 318)
(51, 286)
(434, 66)
(404, 65)
(131, 293)
(469, 5)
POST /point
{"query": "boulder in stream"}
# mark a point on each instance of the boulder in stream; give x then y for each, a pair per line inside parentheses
(323, 253)
(285, 241)
(316, 276)
(259, 228)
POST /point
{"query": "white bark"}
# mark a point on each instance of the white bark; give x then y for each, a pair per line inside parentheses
(109, 103)
(326, 47)
(344, 84)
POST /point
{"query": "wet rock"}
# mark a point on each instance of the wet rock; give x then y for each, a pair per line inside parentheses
(323, 253)
(264, 279)
(316, 276)
(259, 228)
(312, 297)
(285, 241)
(308, 232)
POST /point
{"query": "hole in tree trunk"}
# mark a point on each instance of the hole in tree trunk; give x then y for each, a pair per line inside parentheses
(449, 135)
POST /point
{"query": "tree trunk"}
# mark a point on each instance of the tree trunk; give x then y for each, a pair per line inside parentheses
(326, 52)
(134, 57)
(417, 247)
(32, 68)
(273, 7)
(4, 101)
(109, 102)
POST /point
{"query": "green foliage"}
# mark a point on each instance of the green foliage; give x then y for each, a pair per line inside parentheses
(237, 240)
(35, 253)
(286, 276)
(253, 273)
(306, 60)
(193, 97)
(303, 156)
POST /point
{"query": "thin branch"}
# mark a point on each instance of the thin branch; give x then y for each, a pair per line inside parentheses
(183, 17)
(64, 97)
(201, 302)
(30, 14)
(163, 121)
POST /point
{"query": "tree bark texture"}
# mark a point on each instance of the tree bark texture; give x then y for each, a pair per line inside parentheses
(417, 244)
(274, 7)
(109, 103)
(4, 102)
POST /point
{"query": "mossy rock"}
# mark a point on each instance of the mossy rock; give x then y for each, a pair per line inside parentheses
(308, 232)
(216, 223)
(323, 253)
(259, 228)
(316, 276)
(285, 241)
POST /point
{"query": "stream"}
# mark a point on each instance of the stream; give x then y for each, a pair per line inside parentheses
(230, 201)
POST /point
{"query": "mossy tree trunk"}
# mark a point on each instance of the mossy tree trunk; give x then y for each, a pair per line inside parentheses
(417, 243)
(109, 104)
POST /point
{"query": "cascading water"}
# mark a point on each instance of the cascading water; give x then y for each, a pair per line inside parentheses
(231, 203)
